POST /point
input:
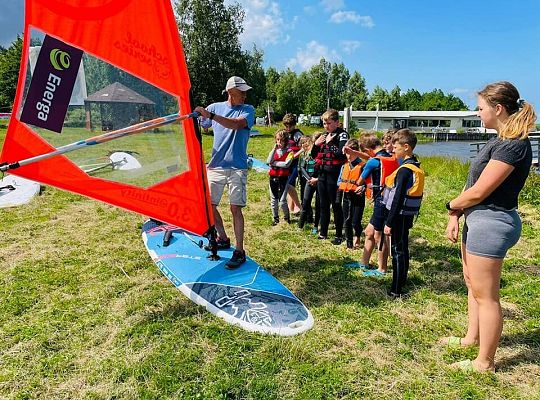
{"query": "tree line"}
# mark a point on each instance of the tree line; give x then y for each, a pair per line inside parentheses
(213, 52)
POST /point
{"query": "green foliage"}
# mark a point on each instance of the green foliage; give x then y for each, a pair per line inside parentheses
(357, 93)
(76, 117)
(531, 191)
(288, 95)
(9, 73)
(210, 32)
(379, 97)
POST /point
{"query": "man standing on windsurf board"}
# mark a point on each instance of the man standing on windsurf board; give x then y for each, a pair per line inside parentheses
(231, 122)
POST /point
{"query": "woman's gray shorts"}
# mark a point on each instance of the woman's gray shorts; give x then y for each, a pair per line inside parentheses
(490, 232)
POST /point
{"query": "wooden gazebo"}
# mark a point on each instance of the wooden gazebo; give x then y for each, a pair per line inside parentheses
(119, 106)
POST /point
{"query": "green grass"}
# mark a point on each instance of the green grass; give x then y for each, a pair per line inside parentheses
(84, 312)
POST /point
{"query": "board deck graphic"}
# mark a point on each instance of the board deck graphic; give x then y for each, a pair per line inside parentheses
(249, 296)
(16, 191)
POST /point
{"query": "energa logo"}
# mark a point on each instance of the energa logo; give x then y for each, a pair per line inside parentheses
(60, 60)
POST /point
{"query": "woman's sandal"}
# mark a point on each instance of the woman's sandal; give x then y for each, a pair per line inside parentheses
(454, 342)
(468, 366)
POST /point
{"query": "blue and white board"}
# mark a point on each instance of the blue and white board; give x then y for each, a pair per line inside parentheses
(258, 165)
(16, 191)
(124, 161)
(248, 296)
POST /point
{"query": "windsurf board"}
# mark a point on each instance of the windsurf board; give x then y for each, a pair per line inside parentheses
(248, 296)
(124, 161)
(16, 191)
(258, 165)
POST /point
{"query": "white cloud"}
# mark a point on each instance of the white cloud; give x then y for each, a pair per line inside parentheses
(341, 17)
(263, 23)
(311, 55)
(333, 5)
(349, 46)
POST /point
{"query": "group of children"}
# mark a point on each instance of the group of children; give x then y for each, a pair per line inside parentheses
(341, 173)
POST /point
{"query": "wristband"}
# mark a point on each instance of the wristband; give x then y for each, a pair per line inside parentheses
(448, 207)
(212, 115)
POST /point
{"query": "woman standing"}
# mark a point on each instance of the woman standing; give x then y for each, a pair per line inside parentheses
(492, 225)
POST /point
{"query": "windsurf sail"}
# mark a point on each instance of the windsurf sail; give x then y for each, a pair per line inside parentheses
(135, 77)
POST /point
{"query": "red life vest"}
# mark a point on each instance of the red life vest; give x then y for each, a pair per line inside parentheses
(388, 165)
(276, 171)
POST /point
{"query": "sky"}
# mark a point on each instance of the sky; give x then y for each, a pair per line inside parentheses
(458, 46)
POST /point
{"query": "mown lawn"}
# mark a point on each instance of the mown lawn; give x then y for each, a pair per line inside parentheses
(84, 312)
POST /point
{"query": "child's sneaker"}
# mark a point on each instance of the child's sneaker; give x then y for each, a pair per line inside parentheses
(237, 259)
(350, 244)
(275, 221)
(222, 244)
(314, 231)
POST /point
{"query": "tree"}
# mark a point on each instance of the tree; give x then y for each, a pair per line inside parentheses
(10, 60)
(287, 95)
(379, 97)
(454, 103)
(252, 71)
(411, 100)
(272, 79)
(315, 85)
(339, 80)
(210, 32)
(357, 93)
(394, 99)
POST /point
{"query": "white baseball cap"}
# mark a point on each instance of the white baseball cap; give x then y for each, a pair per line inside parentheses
(235, 82)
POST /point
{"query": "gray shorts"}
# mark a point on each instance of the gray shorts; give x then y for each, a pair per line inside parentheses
(234, 179)
(490, 232)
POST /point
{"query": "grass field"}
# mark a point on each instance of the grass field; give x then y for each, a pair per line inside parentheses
(84, 312)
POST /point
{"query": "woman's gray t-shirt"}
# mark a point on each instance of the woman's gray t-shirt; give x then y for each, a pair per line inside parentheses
(515, 152)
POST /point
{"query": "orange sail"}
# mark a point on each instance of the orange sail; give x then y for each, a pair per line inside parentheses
(132, 69)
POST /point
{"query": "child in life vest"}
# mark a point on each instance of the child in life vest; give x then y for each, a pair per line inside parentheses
(329, 148)
(307, 166)
(353, 202)
(379, 166)
(402, 197)
(279, 160)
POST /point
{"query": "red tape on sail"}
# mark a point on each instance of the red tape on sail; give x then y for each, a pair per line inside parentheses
(138, 41)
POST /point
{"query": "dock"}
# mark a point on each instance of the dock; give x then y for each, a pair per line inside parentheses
(534, 137)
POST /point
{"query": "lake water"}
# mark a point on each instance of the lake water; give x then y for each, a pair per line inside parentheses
(454, 149)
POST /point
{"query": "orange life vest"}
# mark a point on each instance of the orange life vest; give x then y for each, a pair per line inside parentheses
(350, 176)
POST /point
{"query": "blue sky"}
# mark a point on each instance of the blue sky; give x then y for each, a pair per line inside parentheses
(457, 46)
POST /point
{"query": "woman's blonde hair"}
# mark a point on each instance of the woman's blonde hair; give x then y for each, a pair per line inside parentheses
(522, 117)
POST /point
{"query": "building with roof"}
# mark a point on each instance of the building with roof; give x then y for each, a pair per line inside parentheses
(420, 121)
(119, 106)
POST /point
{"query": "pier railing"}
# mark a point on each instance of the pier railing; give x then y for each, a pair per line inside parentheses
(534, 137)
(445, 136)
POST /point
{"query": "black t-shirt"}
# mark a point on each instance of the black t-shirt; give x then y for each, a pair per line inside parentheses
(515, 152)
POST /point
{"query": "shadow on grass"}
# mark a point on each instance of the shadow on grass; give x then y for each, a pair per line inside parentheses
(318, 281)
(321, 280)
(528, 342)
